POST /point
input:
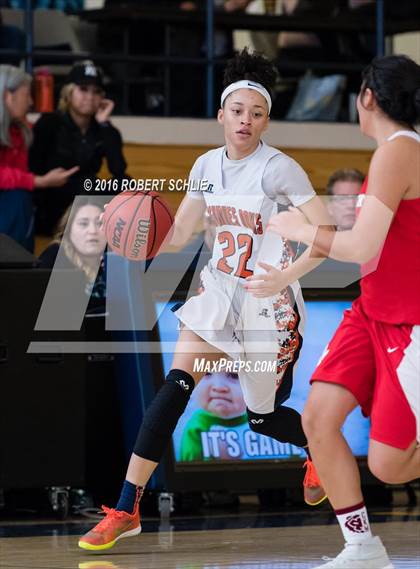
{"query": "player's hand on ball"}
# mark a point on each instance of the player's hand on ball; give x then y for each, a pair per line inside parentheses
(289, 224)
(268, 284)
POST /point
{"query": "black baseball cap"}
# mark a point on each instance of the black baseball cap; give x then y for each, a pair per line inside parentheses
(86, 73)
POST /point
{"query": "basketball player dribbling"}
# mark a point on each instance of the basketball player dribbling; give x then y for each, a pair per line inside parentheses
(245, 182)
(373, 359)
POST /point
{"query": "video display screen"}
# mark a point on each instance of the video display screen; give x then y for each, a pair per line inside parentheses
(214, 425)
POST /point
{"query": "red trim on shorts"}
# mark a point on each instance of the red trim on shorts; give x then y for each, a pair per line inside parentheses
(395, 443)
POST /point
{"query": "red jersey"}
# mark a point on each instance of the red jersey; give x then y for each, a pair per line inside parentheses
(391, 291)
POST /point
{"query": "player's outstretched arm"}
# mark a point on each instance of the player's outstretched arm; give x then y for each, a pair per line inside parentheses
(316, 214)
(188, 218)
(387, 186)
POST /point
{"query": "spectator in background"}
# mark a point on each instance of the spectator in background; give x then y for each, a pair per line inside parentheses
(264, 41)
(78, 134)
(82, 243)
(295, 47)
(344, 186)
(146, 37)
(186, 86)
(16, 182)
(302, 44)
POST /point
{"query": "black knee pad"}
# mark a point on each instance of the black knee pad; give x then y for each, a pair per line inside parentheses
(162, 415)
(284, 424)
(260, 423)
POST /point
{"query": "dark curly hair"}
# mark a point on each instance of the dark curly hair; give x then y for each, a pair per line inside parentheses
(395, 81)
(252, 66)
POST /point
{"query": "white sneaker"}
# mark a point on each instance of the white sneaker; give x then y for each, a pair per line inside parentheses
(370, 554)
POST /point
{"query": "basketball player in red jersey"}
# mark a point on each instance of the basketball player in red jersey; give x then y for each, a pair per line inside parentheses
(373, 359)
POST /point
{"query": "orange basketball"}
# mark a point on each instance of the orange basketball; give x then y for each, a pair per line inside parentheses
(136, 224)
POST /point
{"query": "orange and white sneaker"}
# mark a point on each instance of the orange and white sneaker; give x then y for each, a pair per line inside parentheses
(107, 532)
(313, 492)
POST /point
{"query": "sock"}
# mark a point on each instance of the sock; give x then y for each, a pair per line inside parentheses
(129, 498)
(354, 523)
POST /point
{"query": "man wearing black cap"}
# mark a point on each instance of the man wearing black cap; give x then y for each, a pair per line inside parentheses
(78, 134)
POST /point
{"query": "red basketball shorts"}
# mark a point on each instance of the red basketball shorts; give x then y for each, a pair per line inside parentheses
(379, 364)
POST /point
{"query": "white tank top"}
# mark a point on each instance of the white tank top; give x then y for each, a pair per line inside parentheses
(408, 133)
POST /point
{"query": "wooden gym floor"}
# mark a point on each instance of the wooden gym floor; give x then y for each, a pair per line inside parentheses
(242, 540)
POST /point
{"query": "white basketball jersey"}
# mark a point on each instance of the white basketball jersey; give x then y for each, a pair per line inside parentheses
(240, 215)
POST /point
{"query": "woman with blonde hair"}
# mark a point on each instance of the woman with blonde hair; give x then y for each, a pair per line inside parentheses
(79, 243)
(79, 134)
(16, 181)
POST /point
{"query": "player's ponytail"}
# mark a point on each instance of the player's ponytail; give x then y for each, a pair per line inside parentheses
(395, 82)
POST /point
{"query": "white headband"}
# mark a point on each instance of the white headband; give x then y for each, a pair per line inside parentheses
(245, 84)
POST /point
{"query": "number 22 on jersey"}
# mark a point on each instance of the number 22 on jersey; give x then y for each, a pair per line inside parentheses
(236, 250)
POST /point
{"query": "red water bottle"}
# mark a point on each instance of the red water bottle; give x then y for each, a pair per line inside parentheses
(44, 91)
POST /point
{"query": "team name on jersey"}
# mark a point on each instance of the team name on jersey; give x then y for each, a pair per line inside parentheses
(229, 215)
